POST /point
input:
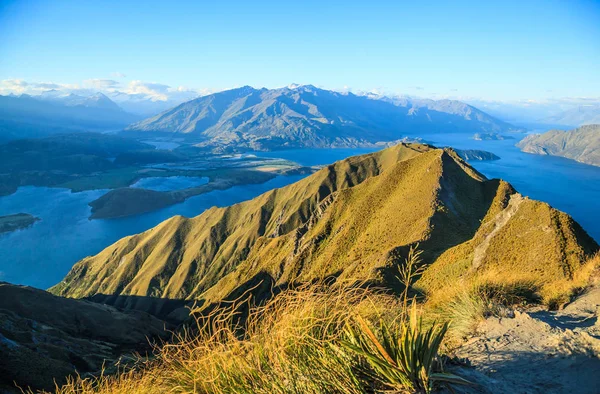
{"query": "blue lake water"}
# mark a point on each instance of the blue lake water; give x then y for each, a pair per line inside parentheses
(170, 183)
(41, 255)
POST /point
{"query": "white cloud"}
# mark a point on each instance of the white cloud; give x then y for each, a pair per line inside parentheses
(155, 91)
(16, 86)
(101, 84)
(19, 86)
(161, 92)
(117, 75)
(140, 90)
(46, 85)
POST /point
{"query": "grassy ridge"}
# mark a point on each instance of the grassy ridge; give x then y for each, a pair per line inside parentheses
(354, 220)
(327, 270)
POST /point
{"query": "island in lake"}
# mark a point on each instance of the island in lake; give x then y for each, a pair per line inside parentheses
(491, 137)
(476, 155)
(16, 222)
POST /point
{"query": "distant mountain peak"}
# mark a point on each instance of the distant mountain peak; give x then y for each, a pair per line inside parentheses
(307, 116)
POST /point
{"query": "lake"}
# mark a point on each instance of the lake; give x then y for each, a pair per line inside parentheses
(41, 255)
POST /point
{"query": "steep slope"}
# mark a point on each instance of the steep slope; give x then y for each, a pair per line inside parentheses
(306, 116)
(353, 220)
(581, 144)
(44, 338)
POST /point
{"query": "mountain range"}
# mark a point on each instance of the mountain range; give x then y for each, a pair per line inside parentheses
(541, 114)
(27, 116)
(578, 116)
(306, 116)
(581, 144)
(97, 100)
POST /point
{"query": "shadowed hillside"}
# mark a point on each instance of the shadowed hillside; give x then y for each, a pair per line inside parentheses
(353, 220)
(31, 117)
(44, 338)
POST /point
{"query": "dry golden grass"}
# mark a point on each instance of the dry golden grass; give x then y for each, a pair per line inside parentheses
(329, 339)
(296, 343)
(559, 293)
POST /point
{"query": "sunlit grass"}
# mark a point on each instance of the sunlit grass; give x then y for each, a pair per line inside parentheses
(315, 339)
(330, 339)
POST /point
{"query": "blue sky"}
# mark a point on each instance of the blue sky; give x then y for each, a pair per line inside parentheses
(501, 50)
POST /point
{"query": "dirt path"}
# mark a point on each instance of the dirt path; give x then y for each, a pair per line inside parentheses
(537, 351)
(499, 222)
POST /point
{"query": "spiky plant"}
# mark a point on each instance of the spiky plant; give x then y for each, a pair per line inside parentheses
(405, 356)
(405, 359)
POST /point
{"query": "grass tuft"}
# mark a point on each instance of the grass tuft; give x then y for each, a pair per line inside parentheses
(314, 339)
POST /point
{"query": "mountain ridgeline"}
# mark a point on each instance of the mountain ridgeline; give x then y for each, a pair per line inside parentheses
(581, 144)
(306, 116)
(354, 221)
(579, 116)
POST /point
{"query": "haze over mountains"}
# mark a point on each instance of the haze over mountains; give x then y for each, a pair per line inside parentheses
(306, 116)
(52, 112)
(536, 114)
(578, 116)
